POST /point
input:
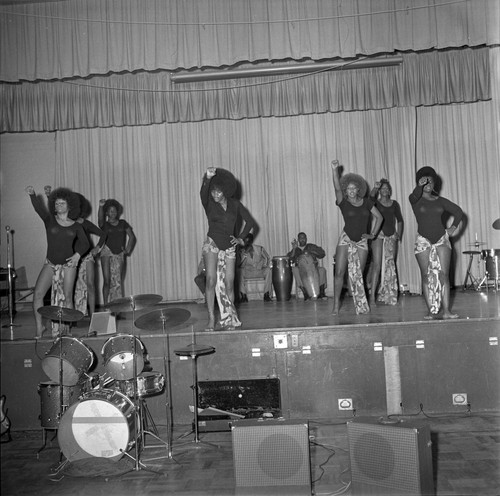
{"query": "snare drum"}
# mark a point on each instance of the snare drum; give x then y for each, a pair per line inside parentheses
(76, 358)
(148, 384)
(50, 401)
(101, 424)
(118, 353)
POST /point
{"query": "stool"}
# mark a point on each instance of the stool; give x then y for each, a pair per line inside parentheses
(193, 351)
(474, 282)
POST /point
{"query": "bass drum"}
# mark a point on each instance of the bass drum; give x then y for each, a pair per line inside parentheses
(50, 401)
(100, 425)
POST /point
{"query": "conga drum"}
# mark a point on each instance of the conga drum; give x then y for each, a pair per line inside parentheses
(282, 278)
(309, 275)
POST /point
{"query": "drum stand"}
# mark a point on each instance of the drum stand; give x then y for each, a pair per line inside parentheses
(193, 351)
(168, 404)
(474, 282)
(139, 420)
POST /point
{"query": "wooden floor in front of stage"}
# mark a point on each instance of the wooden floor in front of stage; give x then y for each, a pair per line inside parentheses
(465, 452)
(274, 315)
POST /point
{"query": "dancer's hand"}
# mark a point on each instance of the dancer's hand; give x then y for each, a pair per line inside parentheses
(211, 172)
(30, 190)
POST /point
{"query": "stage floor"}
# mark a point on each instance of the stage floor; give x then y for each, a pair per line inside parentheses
(275, 315)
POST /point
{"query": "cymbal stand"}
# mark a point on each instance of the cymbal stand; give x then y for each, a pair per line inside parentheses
(168, 403)
(10, 275)
(138, 415)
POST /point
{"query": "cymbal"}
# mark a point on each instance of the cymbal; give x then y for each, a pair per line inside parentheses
(136, 302)
(496, 224)
(154, 320)
(472, 252)
(194, 349)
(477, 243)
(60, 313)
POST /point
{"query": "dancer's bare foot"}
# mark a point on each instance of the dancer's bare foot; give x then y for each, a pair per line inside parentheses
(210, 324)
(449, 315)
(335, 311)
(429, 316)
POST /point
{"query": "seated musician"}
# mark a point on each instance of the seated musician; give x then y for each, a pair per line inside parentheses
(253, 262)
(314, 252)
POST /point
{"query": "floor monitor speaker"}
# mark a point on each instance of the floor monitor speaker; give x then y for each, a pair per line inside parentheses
(271, 457)
(390, 457)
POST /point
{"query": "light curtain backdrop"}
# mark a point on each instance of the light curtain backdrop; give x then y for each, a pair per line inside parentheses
(283, 165)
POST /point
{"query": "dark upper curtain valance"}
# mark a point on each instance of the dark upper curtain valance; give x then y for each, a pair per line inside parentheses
(451, 76)
(79, 38)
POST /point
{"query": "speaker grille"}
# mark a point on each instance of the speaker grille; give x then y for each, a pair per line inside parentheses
(271, 454)
(387, 456)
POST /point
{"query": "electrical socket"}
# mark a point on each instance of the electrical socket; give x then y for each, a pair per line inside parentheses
(280, 341)
(295, 341)
(459, 398)
(345, 404)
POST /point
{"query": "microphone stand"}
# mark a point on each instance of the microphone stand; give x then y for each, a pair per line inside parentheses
(10, 277)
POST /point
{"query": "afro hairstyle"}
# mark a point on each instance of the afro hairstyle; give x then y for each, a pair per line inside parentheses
(85, 206)
(113, 203)
(426, 171)
(356, 179)
(386, 182)
(224, 181)
(69, 197)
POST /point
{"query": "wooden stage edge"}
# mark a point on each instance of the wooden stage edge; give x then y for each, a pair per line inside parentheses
(382, 362)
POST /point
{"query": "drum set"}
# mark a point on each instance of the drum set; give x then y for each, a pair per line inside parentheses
(105, 416)
(489, 259)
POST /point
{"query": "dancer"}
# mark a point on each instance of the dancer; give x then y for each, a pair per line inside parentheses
(120, 242)
(66, 243)
(352, 248)
(85, 291)
(385, 245)
(432, 246)
(219, 250)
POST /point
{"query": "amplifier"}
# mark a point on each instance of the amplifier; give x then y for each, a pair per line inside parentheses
(390, 458)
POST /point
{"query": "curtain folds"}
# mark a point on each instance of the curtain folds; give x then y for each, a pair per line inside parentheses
(430, 78)
(79, 38)
(283, 166)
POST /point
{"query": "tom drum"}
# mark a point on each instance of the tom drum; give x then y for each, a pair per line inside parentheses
(75, 357)
(118, 353)
(491, 259)
(50, 401)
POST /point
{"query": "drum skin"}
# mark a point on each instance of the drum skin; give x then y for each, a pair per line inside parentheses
(282, 278)
(100, 425)
(491, 259)
(309, 275)
(75, 357)
(118, 353)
